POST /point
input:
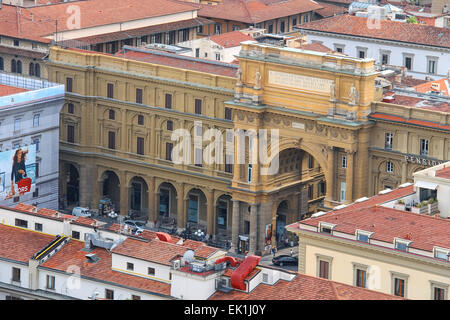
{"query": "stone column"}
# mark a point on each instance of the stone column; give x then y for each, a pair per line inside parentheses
(210, 212)
(253, 229)
(181, 215)
(152, 136)
(349, 176)
(330, 180)
(235, 224)
(86, 185)
(152, 213)
(404, 172)
(98, 194)
(124, 198)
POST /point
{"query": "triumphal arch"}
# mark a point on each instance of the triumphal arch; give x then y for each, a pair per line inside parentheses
(308, 111)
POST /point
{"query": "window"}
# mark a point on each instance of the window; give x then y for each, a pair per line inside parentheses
(112, 114)
(2, 64)
(134, 297)
(229, 163)
(294, 21)
(310, 162)
(227, 113)
(139, 96)
(36, 170)
(401, 245)
(69, 84)
(16, 274)
(408, 63)
(36, 193)
(109, 294)
(431, 66)
(13, 66)
(270, 28)
(37, 70)
(130, 266)
(38, 226)
(250, 167)
(140, 145)
(21, 223)
(322, 188)
(169, 148)
(151, 271)
(388, 141)
(218, 56)
(31, 69)
(343, 190)
(438, 293)
(17, 124)
(310, 192)
(16, 43)
(140, 120)
(399, 287)
(200, 29)
(344, 161)
(384, 58)
(110, 90)
(169, 125)
(360, 278)
(197, 52)
(36, 142)
(198, 106)
(305, 18)
(70, 134)
(168, 101)
(441, 253)
(282, 26)
(71, 108)
(361, 54)
(339, 49)
(76, 235)
(324, 269)
(363, 236)
(111, 140)
(198, 161)
(217, 28)
(235, 28)
(50, 283)
(36, 120)
(389, 166)
(423, 147)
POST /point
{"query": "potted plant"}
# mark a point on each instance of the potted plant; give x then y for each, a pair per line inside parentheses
(400, 205)
(432, 206)
(420, 207)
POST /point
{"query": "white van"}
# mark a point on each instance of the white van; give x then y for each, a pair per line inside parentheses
(81, 212)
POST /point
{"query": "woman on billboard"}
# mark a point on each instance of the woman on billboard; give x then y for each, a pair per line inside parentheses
(18, 172)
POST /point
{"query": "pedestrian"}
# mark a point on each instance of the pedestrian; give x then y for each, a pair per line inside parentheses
(292, 252)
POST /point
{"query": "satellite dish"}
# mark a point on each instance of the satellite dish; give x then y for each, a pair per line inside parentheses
(188, 256)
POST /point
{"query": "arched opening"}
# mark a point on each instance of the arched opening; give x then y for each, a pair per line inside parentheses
(139, 197)
(282, 218)
(73, 184)
(111, 189)
(196, 210)
(167, 204)
(223, 217)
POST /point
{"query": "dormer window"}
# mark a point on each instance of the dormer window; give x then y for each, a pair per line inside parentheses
(363, 236)
(326, 227)
(401, 244)
(441, 253)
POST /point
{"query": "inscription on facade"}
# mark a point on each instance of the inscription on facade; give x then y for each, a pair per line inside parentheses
(423, 161)
(299, 82)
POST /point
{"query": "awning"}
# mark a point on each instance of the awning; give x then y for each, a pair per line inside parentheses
(426, 185)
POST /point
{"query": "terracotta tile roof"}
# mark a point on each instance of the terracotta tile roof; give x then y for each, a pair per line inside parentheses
(22, 52)
(424, 231)
(304, 287)
(230, 39)
(153, 251)
(315, 46)
(330, 10)
(389, 30)
(443, 173)
(8, 90)
(37, 22)
(205, 251)
(254, 11)
(19, 244)
(71, 255)
(416, 122)
(182, 62)
(166, 27)
(441, 85)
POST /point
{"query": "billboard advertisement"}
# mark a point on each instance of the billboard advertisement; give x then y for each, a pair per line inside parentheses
(17, 172)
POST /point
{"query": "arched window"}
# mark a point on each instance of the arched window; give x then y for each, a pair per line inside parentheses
(13, 66)
(31, 69)
(19, 66)
(37, 70)
(1, 64)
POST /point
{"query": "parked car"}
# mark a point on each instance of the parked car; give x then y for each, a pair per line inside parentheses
(81, 212)
(284, 260)
(136, 226)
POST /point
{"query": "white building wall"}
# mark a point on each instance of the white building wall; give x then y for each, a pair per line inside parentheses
(162, 272)
(397, 50)
(188, 286)
(6, 273)
(209, 49)
(49, 226)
